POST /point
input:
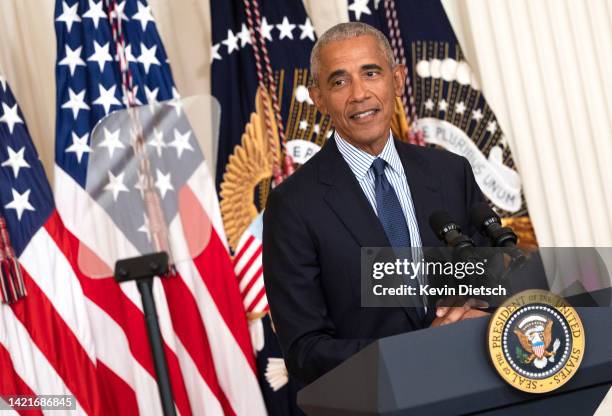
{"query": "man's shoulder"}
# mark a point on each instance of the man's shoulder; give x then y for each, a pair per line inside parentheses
(433, 156)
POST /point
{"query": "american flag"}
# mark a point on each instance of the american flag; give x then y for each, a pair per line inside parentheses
(202, 320)
(260, 45)
(46, 343)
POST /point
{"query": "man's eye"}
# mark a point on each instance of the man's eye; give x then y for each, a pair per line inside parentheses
(338, 82)
(371, 74)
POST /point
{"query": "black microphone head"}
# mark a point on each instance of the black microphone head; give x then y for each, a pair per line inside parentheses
(441, 222)
(483, 216)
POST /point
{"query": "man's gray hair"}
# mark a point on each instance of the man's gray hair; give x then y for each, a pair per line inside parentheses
(343, 31)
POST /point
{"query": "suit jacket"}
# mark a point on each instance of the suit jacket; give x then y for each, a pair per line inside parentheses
(315, 224)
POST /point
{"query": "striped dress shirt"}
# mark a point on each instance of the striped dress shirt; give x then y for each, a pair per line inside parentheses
(360, 163)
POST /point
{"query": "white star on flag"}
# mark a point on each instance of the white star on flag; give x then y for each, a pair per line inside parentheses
(303, 125)
(111, 141)
(20, 202)
(147, 56)
(115, 184)
(358, 7)
(285, 29)
(107, 98)
(492, 127)
(214, 52)
(101, 55)
(443, 105)
(10, 116)
(3, 82)
(181, 142)
(460, 108)
(163, 183)
(231, 42)
(79, 146)
(16, 160)
(244, 35)
(95, 13)
(145, 228)
(69, 15)
(140, 184)
(151, 94)
(72, 59)
(128, 55)
(266, 29)
(120, 10)
(316, 129)
(429, 104)
(307, 30)
(143, 15)
(477, 115)
(76, 102)
(157, 142)
(177, 103)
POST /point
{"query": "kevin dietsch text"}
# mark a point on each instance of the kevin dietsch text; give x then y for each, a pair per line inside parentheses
(443, 291)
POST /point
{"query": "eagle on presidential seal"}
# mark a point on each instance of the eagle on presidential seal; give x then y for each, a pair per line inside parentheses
(534, 333)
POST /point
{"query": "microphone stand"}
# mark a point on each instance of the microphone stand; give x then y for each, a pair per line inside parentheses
(144, 268)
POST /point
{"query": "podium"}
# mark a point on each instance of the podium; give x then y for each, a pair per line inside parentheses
(447, 371)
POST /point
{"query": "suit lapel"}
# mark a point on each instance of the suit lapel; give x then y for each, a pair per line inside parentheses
(346, 198)
(424, 190)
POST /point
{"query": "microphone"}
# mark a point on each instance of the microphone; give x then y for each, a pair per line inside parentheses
(489, 225)
(447, 230)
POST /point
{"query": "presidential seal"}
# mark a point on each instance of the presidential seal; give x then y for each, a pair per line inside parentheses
(536, 341)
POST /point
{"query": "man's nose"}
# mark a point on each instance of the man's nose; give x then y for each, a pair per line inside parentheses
(359, 90)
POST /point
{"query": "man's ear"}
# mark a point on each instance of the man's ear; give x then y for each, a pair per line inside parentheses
(399, 79)
(315, 95)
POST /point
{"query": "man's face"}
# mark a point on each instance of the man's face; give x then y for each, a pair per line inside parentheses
(357, 88)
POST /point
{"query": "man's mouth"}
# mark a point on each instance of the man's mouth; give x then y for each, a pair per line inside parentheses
(364, 115)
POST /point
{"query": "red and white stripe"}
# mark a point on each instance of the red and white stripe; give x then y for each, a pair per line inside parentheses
(248, 267)
(46, 339)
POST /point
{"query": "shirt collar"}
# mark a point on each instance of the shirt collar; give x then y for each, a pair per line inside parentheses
(360, 161)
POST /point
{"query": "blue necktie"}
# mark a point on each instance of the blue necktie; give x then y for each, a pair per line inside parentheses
(388, 207)
(392, 217)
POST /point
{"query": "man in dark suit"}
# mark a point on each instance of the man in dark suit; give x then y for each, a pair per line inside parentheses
(363, 189)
